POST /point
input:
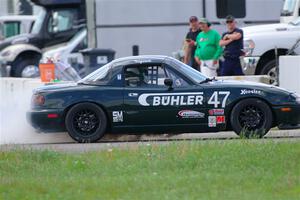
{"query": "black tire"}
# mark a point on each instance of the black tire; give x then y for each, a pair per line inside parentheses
(19, 66)
(251, 118)
(86, 122)
(270, 69)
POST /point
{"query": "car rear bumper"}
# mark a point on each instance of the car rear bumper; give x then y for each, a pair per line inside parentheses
(46, 120)
(288, 119)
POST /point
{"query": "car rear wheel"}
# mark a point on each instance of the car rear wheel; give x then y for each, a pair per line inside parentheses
(86, 122)
(251, 118)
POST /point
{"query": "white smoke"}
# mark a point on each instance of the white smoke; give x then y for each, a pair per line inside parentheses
(15, 94)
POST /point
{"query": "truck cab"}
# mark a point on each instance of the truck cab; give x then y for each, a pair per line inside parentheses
(15, 25)
(290, 11)
(57, 22)
(263, 45)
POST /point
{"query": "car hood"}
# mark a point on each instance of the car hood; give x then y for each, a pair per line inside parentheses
(266, 28)
(247, 85)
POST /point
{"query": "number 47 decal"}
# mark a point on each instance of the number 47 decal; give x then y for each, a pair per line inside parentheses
(214, 99)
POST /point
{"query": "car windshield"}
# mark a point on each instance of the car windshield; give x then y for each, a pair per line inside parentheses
(296, 22)
(99, 76)
(39, 21)
(188, 71)
(288, 7)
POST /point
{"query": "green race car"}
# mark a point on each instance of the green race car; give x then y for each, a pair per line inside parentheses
(159, 94)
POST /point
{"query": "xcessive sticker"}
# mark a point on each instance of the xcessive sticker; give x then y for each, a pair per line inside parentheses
(254, 91)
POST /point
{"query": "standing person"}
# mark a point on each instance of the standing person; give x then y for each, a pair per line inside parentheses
(208, 50)
(232, 40)
(190, 42)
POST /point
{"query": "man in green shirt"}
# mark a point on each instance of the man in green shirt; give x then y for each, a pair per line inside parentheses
(208, 50)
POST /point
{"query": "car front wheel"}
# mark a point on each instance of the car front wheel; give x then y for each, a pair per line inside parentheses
(251, 117)
(86, 122)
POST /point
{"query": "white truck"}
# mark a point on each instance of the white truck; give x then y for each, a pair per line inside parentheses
(262, 43)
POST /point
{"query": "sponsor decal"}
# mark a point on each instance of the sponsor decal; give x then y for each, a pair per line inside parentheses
(190, 114)
(216, 112)
(117, 116)
(254, 91)
(212, 121)
(220, 119)
(218, 99)
(171, 99)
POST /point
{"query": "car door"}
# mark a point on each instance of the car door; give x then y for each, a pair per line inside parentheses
(149, 103)
(191, 111)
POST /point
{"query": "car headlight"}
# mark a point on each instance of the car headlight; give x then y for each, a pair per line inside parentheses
(249, 46)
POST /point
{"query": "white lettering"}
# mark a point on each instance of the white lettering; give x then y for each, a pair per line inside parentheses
(214, 99)
(156, 101)
(117, 116)
(190, 100)
(165, 100)
(254, 91)
(175, 100)
(182, 103)
(199, 100)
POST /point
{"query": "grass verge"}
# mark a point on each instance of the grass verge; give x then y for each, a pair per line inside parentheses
(235, 169)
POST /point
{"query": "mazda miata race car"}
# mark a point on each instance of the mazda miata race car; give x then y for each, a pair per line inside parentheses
(159, 94)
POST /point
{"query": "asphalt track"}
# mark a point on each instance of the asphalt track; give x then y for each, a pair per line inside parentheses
(110, 142)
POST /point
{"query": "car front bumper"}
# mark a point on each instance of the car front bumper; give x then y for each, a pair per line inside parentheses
(46, 120)
(287, 119)
(249, 65)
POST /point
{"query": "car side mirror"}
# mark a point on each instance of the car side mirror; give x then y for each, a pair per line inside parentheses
(168, 82)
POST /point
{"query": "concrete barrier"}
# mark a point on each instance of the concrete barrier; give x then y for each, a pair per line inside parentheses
(289, 73)
(15, 94)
